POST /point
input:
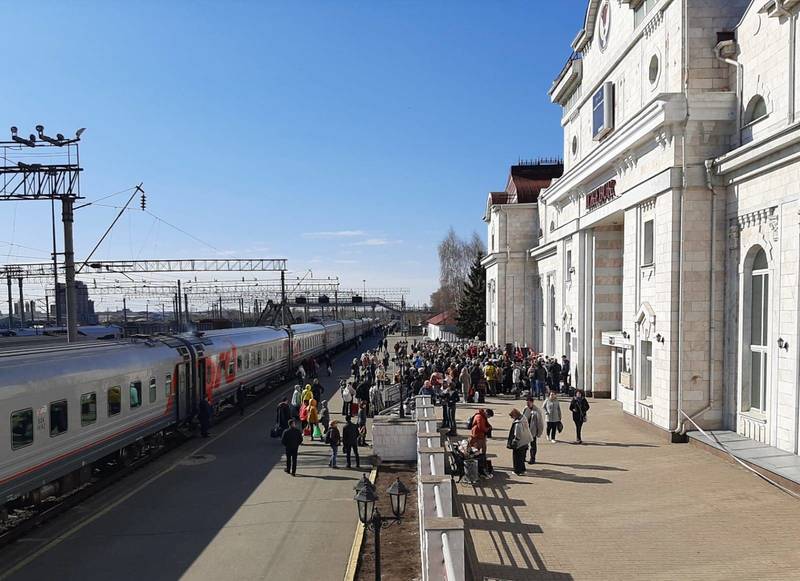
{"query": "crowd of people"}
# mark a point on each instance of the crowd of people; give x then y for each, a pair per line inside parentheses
(450, 373)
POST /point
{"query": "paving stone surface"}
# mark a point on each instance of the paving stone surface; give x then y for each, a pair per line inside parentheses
(625, 505)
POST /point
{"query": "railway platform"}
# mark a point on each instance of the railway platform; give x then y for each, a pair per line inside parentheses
(221, 508)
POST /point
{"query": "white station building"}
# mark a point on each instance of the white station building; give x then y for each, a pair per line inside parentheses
(664, 261)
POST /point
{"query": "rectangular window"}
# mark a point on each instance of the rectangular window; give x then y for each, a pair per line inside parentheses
(88, 408)
(153, 390)
(239, 362)
(135, 393)
(603, 111)
(247, 361)
(167, 385)
(568, 276)
(647, 369)
(647, 244)
(58, 417)
(21, 428)
(114, 400)
(231, 367)
(258, 357)
(758, 372)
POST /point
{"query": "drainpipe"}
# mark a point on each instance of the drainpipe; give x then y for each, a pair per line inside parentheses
(739, 81)
(679, 403)
(711, 326)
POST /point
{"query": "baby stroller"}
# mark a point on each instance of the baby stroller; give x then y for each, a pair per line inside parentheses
(465, 462)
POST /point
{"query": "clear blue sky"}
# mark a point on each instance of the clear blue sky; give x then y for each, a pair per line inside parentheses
(344, 136)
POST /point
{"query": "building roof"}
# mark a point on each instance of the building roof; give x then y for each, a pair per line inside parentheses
(445, 318)
(525, 181)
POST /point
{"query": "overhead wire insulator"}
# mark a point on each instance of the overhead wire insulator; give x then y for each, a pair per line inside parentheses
(144, 200)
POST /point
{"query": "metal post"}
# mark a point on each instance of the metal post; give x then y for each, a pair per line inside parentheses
(376, 526)
(33, 313)
(283, 299)
(178, 303)
(21, 305)
(46, 309)
(10, 307)
(124, 317)
(55, 263)
(336, 303)
(69, 268)
(186, 318)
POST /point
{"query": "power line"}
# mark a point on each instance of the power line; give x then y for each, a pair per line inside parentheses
(195, 238)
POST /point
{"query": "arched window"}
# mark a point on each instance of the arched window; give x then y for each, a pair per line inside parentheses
(756, 109)
(755, 382)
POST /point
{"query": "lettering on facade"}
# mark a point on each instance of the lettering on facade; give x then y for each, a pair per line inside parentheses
(599, 196)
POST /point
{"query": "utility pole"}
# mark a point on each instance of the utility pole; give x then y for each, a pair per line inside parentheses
(55, 261)
(21, 305)
(69, 268)
(186, 316)
(125, 317)
(10, 306)
(283, 299)
(178, 303)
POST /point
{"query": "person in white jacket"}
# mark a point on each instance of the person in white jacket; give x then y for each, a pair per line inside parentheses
(519, 438)
(552, 413)
(535, 419)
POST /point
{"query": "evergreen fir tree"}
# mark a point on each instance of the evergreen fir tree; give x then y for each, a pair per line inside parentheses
(472, 307)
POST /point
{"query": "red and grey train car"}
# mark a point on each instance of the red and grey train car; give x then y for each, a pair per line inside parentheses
(64, 409)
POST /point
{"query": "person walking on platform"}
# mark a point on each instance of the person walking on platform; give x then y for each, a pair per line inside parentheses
(283, 415)
(466, 383)
(552, 413)
(317, 390)
(536, 424)
(297, 401)
(324, 415)
(333, 437)
(579, 406)
(308, 395)
(519, 438)
(362, 424)
(347, 394)
(204, 414)
(313, 420)
(350, 441)
(291, 439)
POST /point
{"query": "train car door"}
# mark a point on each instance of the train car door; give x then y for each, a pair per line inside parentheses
(183, 373)
(201, 380)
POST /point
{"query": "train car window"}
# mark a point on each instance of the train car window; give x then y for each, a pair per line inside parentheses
(88, 408)
(247, 361)
(58, 417)
(258, 357)
(21, 428)
(135, 392)
(114, 400)
(239, 363)
(167, 385)
(153, 390)
(232, 367)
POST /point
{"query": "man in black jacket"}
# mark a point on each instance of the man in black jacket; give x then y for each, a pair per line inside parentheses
(291, 439)
(317, 390)
(350, 441)
(362, 393)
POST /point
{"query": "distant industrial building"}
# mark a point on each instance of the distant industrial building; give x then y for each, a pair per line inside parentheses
(84, 306)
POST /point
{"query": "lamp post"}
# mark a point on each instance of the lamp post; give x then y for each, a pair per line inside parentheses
(366, 497)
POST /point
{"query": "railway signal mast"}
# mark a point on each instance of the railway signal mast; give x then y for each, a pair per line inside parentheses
(26, 177)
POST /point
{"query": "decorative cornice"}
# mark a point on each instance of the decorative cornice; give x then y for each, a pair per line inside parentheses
(757, 218)
(648, 205)
(654, 23)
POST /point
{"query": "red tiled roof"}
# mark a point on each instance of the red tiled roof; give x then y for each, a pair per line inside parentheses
(444, 318)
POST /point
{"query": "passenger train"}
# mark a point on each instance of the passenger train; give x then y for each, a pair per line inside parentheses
(64, 409)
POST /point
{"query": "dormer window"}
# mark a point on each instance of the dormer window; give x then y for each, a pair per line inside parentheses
(756, 110)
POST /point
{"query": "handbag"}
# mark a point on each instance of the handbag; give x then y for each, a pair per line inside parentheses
(559, 427)
(276, 431)
(317, 433)
(307, 431)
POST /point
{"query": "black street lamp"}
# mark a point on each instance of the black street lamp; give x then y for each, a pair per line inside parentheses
(366, 497)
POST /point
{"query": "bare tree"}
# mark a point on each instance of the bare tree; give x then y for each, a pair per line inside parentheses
(455, 259)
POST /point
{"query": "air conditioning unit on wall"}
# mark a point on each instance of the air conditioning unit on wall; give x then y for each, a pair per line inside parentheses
(603, 111)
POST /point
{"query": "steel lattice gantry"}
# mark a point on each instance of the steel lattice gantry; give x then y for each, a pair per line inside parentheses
(191, 265)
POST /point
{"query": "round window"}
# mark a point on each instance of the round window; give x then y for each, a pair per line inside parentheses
(653, 70)
(574, 145)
